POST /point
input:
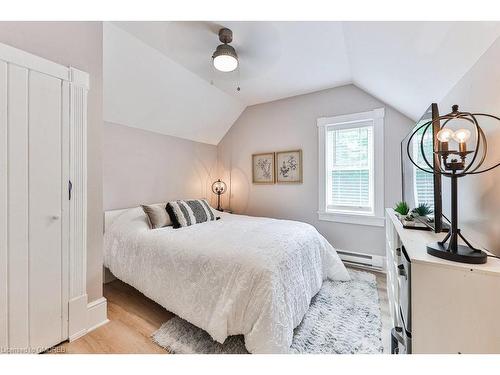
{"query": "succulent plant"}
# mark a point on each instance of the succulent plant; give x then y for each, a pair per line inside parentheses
(402, 208)
(423, 209)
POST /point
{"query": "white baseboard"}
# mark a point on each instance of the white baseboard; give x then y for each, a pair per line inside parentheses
(77, 335)
(77, 317)
(362, 260)
(97, 313)
(90, 317)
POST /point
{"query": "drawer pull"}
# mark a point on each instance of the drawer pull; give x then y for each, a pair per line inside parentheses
(401, 270)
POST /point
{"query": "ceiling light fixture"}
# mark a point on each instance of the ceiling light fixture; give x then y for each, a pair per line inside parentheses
(225, 58)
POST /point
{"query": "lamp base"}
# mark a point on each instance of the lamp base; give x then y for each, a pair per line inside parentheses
(464, 254)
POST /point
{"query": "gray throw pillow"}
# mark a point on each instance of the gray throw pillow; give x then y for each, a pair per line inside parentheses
(184, 213)
(157, 215)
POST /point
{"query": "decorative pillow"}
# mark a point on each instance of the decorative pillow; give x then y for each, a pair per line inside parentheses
(184, 213)
(157, 215)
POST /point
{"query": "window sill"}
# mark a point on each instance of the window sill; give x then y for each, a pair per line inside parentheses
(352, 218)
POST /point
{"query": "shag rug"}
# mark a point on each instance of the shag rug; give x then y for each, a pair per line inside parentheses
(344, 318)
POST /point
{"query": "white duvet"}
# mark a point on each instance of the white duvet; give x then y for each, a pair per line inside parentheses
(238, 275)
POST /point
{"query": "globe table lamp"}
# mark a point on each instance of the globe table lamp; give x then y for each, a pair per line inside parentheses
(219, 188)
(456, 163)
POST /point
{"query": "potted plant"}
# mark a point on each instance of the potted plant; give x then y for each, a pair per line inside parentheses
(422, 210)
(402, 209)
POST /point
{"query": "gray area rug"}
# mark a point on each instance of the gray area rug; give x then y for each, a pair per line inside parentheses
(344, 318)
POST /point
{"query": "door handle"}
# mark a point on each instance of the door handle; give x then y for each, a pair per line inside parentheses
(55, 217)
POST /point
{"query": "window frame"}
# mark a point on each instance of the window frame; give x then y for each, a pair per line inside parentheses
(376, 216)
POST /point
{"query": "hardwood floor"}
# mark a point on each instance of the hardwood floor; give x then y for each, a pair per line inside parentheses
(134, 317)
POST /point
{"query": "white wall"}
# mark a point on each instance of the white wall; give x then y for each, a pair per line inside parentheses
(479, 196)
(291, 124)
(141, 167)
(78, 44)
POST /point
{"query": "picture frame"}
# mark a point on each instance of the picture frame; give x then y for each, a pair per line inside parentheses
(289, 167)
(263, 168)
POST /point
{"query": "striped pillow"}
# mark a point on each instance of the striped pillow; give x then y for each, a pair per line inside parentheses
(184, 213)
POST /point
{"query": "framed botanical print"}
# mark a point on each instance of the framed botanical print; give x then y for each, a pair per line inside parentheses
(263, 168)
(289, 167)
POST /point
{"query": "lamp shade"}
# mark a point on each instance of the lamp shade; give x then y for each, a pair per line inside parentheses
(225, 58)
(219, 187)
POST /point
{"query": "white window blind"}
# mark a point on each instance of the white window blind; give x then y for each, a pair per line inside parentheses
(423, 182)
(350, 167)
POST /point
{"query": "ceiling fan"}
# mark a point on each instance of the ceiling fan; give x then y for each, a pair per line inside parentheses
(224, 57)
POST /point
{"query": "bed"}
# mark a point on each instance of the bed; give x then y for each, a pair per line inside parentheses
(238, 275)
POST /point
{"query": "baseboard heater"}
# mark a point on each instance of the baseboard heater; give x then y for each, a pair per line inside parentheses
(373, 262)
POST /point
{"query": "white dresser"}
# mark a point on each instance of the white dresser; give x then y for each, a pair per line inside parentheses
(454, 307)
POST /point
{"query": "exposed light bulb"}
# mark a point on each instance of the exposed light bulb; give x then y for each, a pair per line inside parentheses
(219, 187)
(225, 63)
(462, 135)
(444, 135)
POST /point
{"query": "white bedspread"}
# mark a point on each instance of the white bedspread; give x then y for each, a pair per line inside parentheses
(238, 275)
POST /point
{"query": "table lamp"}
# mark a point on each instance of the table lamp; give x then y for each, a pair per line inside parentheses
(219, 187)
(456, 163)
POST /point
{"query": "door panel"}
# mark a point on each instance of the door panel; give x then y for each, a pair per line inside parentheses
(45, 261)
(18, 208)
(3, 208)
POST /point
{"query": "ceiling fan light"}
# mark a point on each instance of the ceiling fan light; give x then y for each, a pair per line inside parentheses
(225, 58)
(225, 63)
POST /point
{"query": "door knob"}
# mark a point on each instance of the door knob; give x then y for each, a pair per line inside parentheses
(55, 217)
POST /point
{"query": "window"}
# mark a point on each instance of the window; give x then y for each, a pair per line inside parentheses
(351, 168)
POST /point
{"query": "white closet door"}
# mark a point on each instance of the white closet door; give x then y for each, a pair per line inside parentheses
(43, 117)
(33, 163)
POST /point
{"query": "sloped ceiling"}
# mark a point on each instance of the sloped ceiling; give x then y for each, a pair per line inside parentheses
(409, 65)
(277, 59)
(145, 89)
(158, 75)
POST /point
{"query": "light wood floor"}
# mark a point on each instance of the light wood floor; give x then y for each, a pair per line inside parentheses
(133, 318)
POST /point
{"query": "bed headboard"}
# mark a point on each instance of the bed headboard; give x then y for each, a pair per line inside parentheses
(111, 215)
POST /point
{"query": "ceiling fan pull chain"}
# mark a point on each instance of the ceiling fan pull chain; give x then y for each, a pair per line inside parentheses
(239, 77)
